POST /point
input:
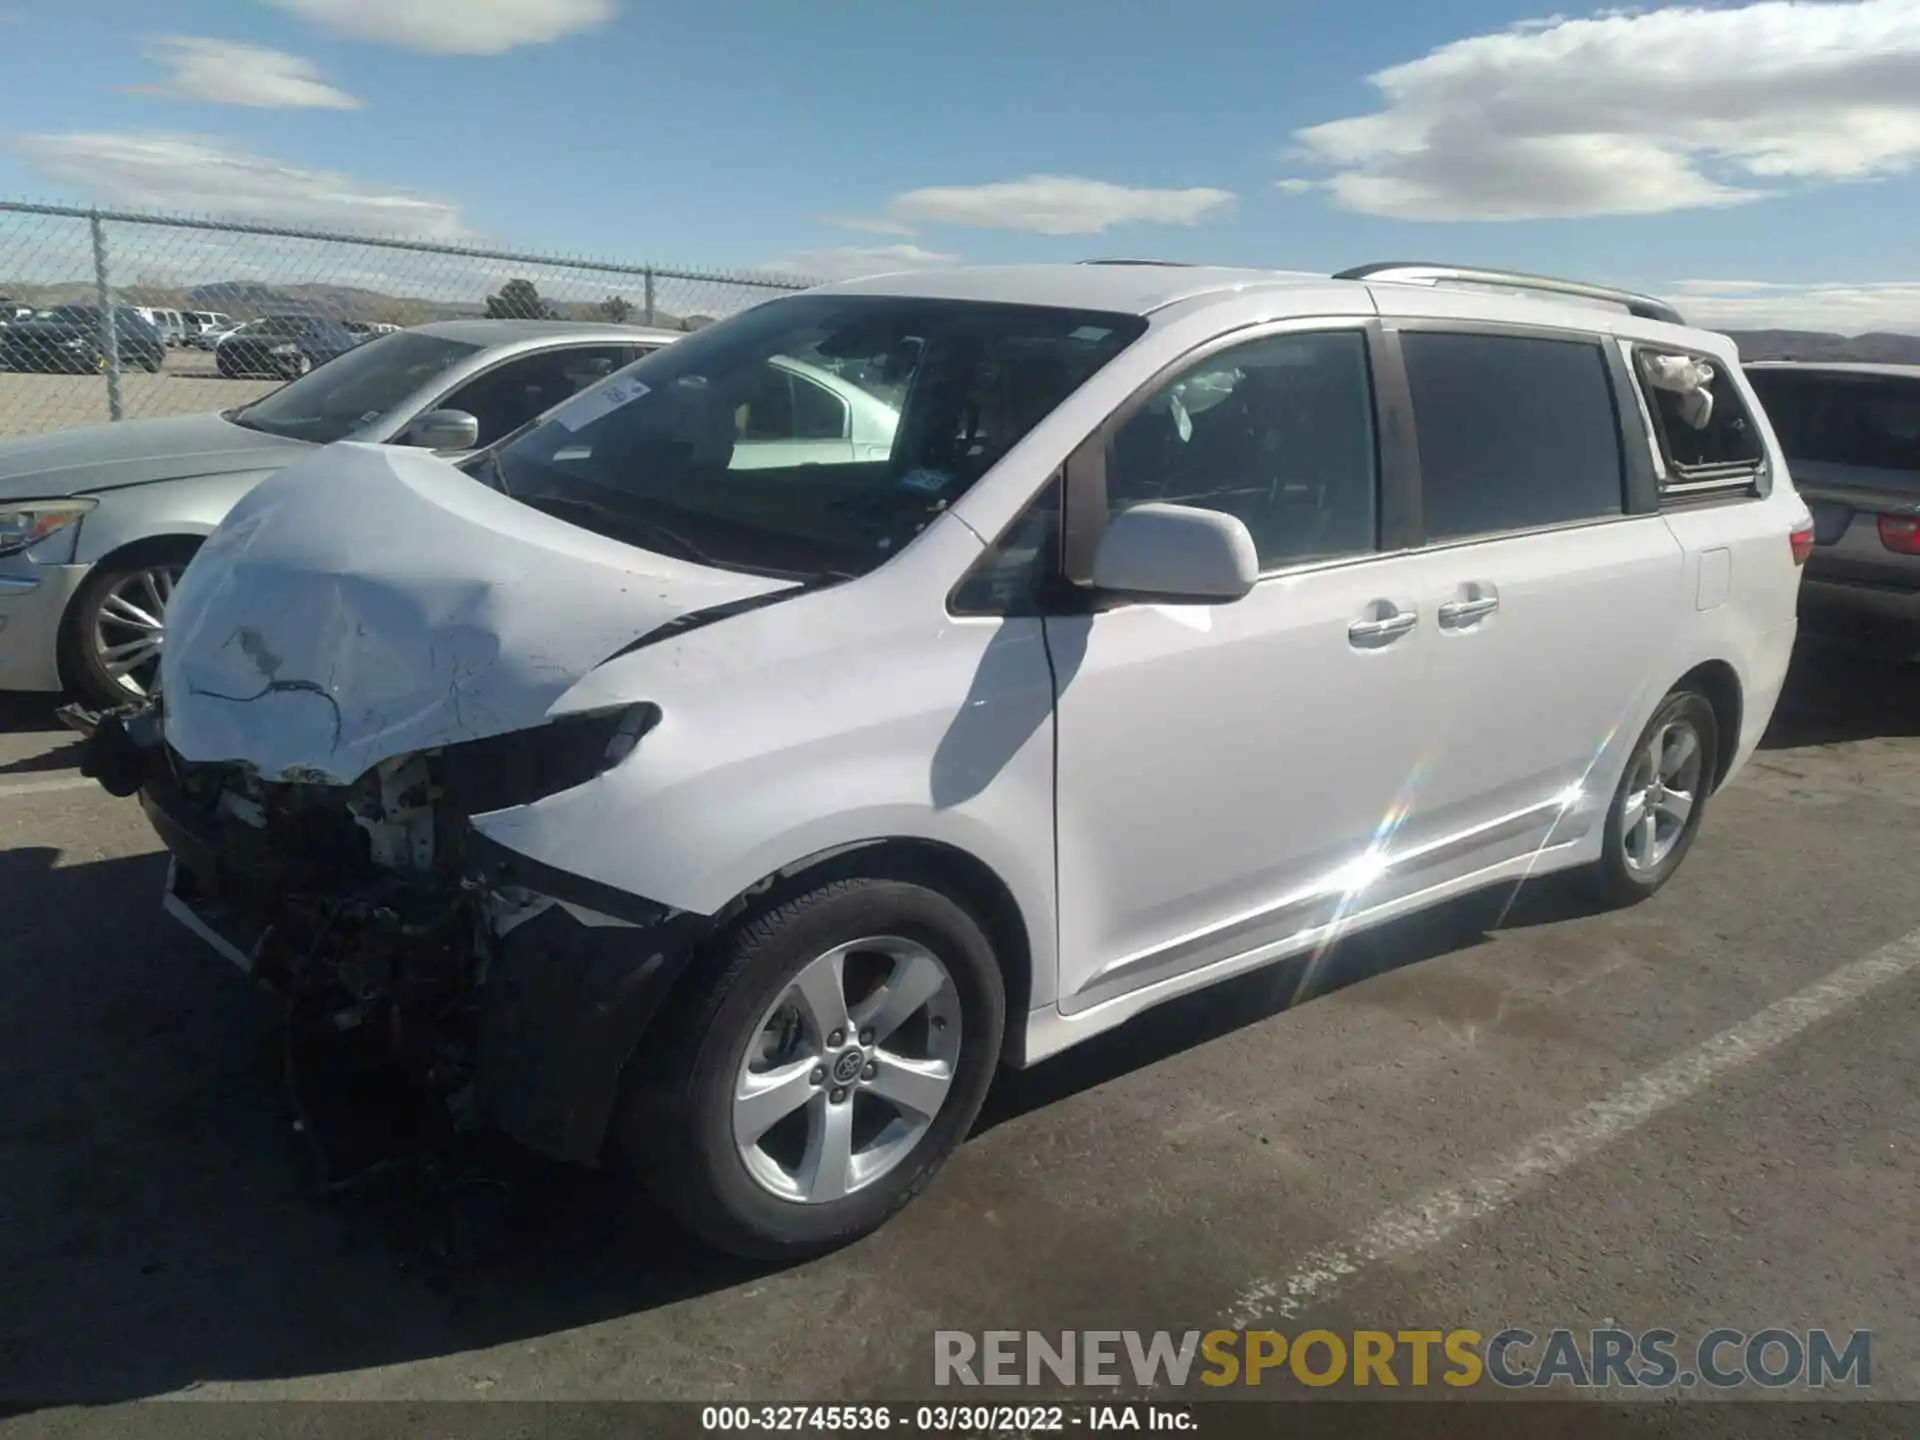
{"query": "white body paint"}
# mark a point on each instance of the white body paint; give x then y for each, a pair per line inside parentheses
(1169, 794)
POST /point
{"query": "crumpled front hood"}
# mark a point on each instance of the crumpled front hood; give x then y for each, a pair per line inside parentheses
(371, 601)
(135, 452)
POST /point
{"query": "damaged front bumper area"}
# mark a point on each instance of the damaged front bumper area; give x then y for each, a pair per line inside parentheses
(435, 982)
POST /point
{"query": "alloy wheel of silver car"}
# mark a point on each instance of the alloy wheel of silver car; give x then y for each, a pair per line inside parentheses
(1663, 787)
(847, 1069)
(130, 626)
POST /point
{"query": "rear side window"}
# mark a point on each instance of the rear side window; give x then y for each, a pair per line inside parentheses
(1516, 432)
(1705, 436)
(1835, 418)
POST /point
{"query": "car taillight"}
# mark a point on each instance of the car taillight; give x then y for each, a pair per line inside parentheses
(1802, 541)
(1901, 533)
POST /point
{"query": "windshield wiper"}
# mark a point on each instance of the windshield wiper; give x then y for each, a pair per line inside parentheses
(485, 468)
(628, 525)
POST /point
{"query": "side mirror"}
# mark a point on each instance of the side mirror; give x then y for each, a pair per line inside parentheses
(443, 430)
(1176, 554)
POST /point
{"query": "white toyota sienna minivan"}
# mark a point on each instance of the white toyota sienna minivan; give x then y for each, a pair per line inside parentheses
(727, 772)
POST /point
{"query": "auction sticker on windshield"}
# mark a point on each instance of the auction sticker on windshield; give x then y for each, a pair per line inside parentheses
(602, 399)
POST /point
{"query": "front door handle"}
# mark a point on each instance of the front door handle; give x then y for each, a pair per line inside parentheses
(1380, 629)
(1458, 614)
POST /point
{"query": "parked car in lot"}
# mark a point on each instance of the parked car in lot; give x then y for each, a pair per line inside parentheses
(212, 330)
(199, 322)
(739, 819)
(73, 340)
(96, 524)
(284, 346)
(171, 324)
(1851, 434)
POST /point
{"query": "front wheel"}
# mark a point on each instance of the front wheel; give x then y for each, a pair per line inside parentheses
(110, 645)
(1661, 800)
(296, 366)
(814, 1084)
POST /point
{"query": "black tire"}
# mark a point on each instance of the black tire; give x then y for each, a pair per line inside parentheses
(80, 664)
(153, 364)
(676, 1115)
(1617, 879)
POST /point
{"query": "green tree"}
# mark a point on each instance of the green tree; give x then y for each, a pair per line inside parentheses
(519, 300)
(615, 309)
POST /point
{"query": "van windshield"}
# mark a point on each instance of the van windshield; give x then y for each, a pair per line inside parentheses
(812, 436)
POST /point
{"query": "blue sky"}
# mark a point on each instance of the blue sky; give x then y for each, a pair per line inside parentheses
(1757, 161)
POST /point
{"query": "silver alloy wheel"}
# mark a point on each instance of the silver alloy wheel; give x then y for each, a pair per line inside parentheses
(1663, 787)
(130, 626)
(847, 1069)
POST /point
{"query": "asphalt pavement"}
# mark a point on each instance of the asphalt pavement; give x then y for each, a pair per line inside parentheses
(1700, 1113)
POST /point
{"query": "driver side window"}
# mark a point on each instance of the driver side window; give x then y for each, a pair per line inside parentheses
(1277, 432)
(509, 395)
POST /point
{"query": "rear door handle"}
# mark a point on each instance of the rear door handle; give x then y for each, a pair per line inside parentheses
(1458, 614)
(1379, 630)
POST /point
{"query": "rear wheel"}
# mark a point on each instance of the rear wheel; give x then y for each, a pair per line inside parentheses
(837, 1054)
(296, 366)
(116, 626)
(1661, 800)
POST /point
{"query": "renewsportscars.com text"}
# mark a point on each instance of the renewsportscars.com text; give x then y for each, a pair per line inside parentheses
(1512, 1358)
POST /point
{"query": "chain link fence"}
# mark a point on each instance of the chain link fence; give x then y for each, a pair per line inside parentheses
(113, 315)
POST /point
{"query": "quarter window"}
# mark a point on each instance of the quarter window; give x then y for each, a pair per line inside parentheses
(1515, 432)
(1278, 432)
(1699, 419)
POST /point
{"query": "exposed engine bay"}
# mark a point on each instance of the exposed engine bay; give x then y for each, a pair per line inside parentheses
(429, 989)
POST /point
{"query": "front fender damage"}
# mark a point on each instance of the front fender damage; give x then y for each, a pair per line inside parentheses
(435, 983)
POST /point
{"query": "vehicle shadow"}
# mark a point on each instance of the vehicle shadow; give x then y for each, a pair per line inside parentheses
(1845, 686)
(1219, 1010)
(28, 714)
(155, 1232)
(158, 1232)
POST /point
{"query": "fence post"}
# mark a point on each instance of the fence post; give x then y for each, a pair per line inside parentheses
(649, 279)
(109, 322)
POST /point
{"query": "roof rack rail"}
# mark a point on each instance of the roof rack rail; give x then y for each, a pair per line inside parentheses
(1417, 272)
(1171, 264)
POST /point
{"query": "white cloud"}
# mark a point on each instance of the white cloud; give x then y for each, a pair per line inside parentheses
(1296, 187)
(870, 224)
(454, 27)
(1631, 113)
(187, 173)
(850, 262)
(1043, 205)
(227, 72)
(1826, 306)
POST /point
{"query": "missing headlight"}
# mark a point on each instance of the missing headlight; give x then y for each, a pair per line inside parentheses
(523, 766)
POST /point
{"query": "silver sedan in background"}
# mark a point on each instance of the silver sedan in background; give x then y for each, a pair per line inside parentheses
(97, 523)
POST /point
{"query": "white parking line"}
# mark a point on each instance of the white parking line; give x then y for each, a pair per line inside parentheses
(47, 786)
(1442, 1214)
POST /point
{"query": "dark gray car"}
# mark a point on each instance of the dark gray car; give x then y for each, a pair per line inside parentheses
(97, 523)
(1851, 433)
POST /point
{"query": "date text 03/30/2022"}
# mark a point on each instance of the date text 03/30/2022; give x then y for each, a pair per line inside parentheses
(945, 1419)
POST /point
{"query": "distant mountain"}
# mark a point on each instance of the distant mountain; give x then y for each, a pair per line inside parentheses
(250, 299)
(1879, 348)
